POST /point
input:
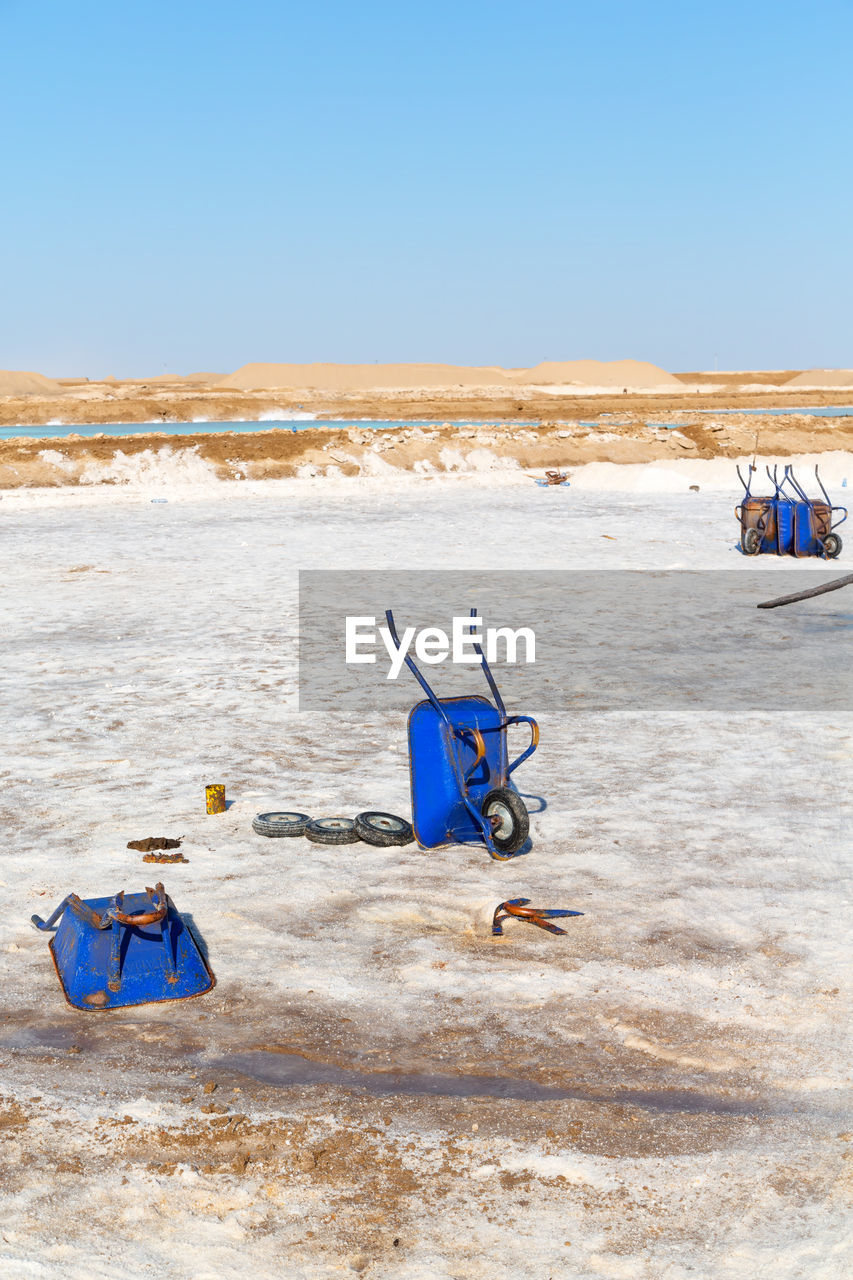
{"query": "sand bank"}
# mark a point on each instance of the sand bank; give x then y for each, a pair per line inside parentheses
(448, 448)
(79, 401)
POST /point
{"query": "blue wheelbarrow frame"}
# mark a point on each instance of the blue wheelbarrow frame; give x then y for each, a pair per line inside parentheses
(813, 522)
(124, 950)
(458, 757)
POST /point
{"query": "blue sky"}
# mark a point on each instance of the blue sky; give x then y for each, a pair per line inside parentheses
(196, 185)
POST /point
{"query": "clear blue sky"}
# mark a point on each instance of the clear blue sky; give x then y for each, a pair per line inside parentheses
(193, 184)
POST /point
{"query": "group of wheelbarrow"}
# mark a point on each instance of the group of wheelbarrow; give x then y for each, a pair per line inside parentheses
(788, 522)
(136, 949)
(117, 951)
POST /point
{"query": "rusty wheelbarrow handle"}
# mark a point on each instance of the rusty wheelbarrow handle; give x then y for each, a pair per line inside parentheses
(145, 917)
(479, 744)
(540, 916)
(113, 912)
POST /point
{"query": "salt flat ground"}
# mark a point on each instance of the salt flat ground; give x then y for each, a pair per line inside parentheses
(662, 1093)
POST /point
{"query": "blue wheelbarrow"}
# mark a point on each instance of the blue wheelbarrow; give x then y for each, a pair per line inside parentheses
(124, 950)
(813, 530)
(462, 790)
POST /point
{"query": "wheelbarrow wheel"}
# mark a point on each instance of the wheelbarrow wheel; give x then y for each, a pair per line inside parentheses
(831, 546)
(751, 542)
(277, 825)
(332, 831)
(504, 809)
(383, 829)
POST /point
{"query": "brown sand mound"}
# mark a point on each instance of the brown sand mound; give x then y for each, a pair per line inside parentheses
(822, 378)
(345, 377)
(740, 377)
(16, 383)
(597, 373)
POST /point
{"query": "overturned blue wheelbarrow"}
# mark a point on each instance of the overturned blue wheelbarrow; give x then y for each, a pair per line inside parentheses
(125, 950)
(788, 522)
(462, 791)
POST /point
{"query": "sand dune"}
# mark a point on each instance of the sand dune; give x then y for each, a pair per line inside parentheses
(596, 373)
(345, 377)
(823, 378)
(17, 383)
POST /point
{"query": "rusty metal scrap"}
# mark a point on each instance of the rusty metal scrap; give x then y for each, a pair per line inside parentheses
(521, 910)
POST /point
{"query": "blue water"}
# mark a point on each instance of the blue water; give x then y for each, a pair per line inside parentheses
(57, 431)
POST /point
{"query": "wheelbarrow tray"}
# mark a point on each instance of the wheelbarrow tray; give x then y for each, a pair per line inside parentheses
(760, 513)
(812, 523)
(81, 956)
(785, 514)
(437, 759)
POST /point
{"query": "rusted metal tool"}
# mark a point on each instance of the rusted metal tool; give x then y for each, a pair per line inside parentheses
(540, 916)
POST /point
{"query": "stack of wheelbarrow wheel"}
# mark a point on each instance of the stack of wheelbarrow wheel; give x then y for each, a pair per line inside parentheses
(788, 522)
(372, 827)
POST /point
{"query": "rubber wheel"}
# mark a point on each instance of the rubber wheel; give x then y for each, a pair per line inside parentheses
(832, 546)
(332, 831)
(751, 542)
(277, 825)
(383, 829)
(510, 833)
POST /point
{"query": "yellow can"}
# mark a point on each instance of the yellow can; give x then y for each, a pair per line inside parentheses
(214, 797)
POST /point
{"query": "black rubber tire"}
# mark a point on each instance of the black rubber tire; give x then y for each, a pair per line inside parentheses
(280, 824)
(383, 829)
(751, 542)
(515, 824)
(332, 831)
(832, 546)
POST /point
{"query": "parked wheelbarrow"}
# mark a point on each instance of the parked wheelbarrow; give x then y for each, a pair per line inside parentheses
(124, 950)
(757, 517)
(789, 522)
(462, 789)
(813, 521)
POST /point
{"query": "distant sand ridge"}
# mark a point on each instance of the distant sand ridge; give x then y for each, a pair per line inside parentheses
(15, 383)
(822, 378)
(322, 383)
(358, 377)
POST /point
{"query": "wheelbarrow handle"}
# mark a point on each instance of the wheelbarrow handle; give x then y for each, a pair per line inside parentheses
(147, 917)
(80, 909)
(479, 743)
(534, 739)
